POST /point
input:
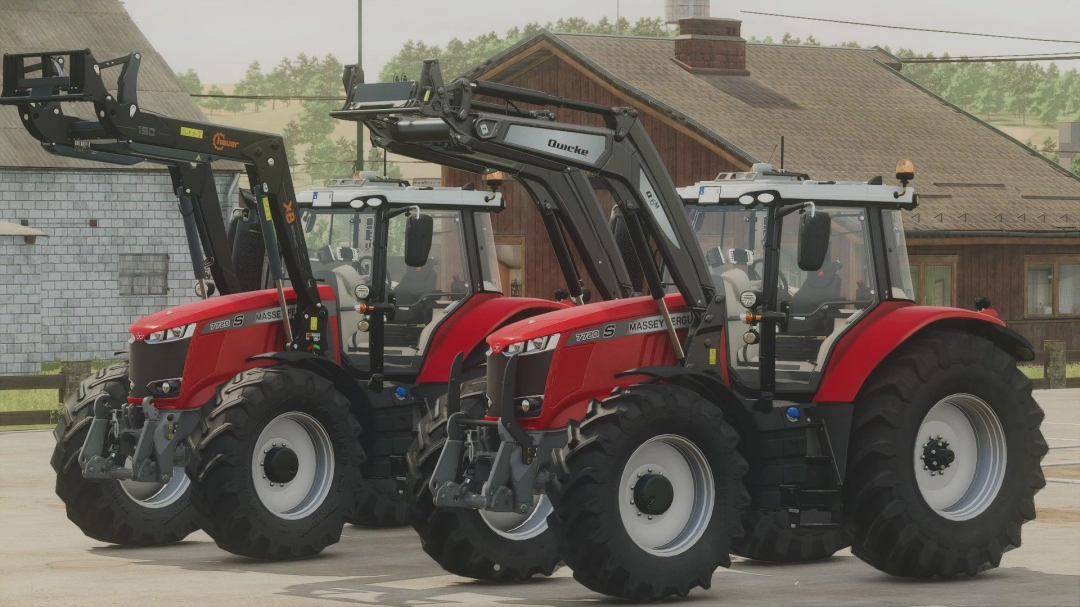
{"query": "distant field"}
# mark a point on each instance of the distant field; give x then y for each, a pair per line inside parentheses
(37, 400)
(1036, 371)
(1033, 130)
(273, 117)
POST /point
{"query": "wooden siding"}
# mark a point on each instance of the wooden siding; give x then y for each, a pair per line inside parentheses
(997, 271)
(688, 160)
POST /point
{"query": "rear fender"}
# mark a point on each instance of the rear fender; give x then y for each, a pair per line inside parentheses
(862, 349)
(470, 325)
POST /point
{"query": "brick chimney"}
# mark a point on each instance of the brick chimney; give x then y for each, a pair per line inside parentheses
(712, 46)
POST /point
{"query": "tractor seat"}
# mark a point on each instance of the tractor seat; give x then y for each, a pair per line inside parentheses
(413, 286)
(818, 288)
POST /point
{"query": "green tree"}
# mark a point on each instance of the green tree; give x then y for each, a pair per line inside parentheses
(461, 56)
(967, 82)
(190, 81)
(326, 159)
(1024, 83)
(811, 41)
(214, 103)
(253, 83)
(1076, 165)
(789, 39)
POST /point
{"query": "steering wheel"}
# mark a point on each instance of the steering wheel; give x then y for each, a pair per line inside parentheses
(363, 265)
(783, 281)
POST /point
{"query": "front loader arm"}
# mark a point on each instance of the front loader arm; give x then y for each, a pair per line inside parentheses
(620, 153)
(124, 130)
(565, 199)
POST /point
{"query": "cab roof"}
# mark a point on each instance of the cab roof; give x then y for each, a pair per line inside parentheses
(729, 188)
(355, 193)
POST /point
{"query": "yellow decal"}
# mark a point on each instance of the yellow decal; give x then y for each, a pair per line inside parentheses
(712, 356)
(198, 157)
(187, 131)
(266, 208)
(427, 95)
(314, 323)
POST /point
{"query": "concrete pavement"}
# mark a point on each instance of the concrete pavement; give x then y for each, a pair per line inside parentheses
(45, 559)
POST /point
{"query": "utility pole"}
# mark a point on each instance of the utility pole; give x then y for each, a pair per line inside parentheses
(360, 62)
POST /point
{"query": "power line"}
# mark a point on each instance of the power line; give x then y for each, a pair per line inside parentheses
(270, 97)
(993, 59)
(914, 29)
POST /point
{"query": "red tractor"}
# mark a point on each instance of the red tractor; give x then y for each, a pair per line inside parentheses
(776, 395)
(273, 413)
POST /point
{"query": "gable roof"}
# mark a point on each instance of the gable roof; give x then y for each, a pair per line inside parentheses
(845, 115)
(105, 28)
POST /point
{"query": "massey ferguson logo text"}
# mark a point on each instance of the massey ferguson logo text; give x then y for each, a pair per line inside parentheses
(573, 149)
(220, 142)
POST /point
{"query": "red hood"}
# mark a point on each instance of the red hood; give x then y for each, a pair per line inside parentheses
(580, 317)
(215, 307)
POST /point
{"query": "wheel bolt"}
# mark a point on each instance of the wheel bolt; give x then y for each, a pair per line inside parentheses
(650, 517)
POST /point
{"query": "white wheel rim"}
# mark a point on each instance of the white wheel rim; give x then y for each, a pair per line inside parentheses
(685, 521)
(157, 495)
(314, 450)
(968, 485)
(519, 527)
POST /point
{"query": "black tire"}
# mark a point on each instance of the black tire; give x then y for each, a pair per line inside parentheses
(768, 536)
(102, 509)
(593, 541)
(459, 539)
(381, 504)
(224, 490)
(891, 524)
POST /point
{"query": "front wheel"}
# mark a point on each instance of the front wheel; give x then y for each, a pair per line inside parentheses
(276, 463)
(493, 546)
(648, 493)
(944, 460)
(127, 512)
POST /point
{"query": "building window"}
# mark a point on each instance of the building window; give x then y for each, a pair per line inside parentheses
(1052, 286)
(144, 274)
(934, 279)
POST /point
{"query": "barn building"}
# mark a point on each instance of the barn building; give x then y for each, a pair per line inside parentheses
(109, 245)
(995, 219)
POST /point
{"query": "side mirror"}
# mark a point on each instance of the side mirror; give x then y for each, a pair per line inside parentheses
(418, 233)
(814, 241)
(309, 221)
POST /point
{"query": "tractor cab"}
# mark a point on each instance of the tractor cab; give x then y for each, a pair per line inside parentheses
(420, 285)
(863, 262)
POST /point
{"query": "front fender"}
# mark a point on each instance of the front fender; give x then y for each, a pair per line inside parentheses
(859, 351)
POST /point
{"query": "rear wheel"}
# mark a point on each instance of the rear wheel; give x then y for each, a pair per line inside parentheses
(495, 546)
(648, 493)
(128, 512)
(382, 502)
(768, 536)
(944, 460)
(276, 464)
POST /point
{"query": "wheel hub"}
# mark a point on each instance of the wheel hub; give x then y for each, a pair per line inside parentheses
(937, 456)
(281, 465)
(653, 494)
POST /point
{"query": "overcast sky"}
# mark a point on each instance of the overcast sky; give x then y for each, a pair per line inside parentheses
(218, 38)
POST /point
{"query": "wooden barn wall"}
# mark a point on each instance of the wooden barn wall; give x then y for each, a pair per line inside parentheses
(997, 271)
(688, 161)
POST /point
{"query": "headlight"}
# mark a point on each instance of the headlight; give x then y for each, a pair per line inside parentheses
(174, 334)
(534, 345)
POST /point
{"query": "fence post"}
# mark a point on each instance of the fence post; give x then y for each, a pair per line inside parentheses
(73, 372)
(1055, 363)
